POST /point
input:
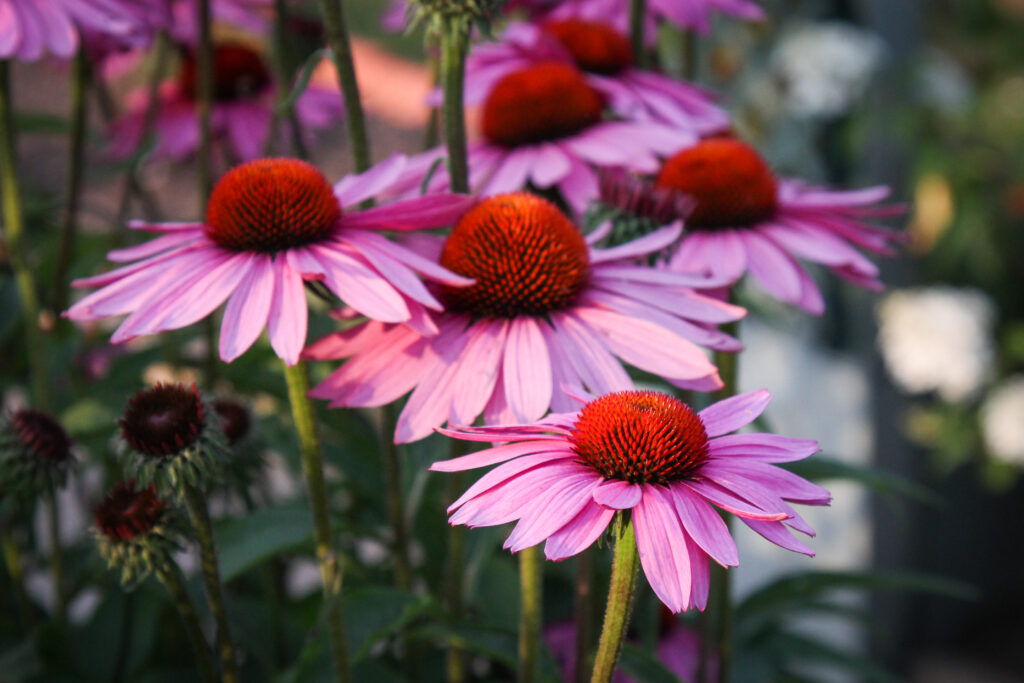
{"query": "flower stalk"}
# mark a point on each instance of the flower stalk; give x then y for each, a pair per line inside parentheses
(170, 576)
(531, 592)
(14, 232)
(637, 24)
(297, 377)
(396, 506)
(454, 44)
(341, 55)
(196, 504)
(76, 165)
(625, 565)
(16, 573)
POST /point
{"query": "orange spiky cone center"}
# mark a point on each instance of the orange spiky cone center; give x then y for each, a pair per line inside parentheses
(596, 46)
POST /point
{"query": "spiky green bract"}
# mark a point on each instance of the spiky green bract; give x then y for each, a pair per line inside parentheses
(35, 455)
(185, 448)
(433, 13)
(136, 532)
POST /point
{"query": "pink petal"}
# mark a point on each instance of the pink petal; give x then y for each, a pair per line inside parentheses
(778, 534)
(663, 550)
(555, 508)
(732, 413)
(526, 370)
(505, 472)
(429, 211)
(353, 189)
(245, 316)
(288, 314)
(619, 495)
(491, 456)
(580, 533)
(705, 526)
(478, 370)
(359, 286)
(730, 502)
(762, 447)
(653, 242)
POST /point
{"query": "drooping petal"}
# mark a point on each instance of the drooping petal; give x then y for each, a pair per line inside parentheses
(527, 370)
(287, 321)
(661, 543)
(734, 412)
(705, 526)
(618, 495)
(246, 314)
(580, 533)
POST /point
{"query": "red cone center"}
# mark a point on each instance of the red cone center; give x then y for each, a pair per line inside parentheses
(238, 73)
(545, 101)
(127, 513)
(41, 435)
(271, 204)
(640, 437)
(526, 256)
(596, 46)
(164, 420)
(728, 181)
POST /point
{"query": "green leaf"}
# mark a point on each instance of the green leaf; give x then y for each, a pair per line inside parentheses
(499, 645)
(822, 469)
(247, 542)
(804, 650)
(372, 614)
(88, 416)
(644, 667)
(41, 122)
(305, 74)
(792, 591)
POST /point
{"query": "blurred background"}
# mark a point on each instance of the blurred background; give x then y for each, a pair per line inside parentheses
(925, 382)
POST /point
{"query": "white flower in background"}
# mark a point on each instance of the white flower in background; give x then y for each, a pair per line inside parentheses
(824, 67)
(1002, 421)
(943, 83)
(937, 339)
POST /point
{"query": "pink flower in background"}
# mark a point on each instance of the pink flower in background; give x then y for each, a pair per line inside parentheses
(546, 309)
(30, 29)
(744, 219)
(242, 116)
(604, 54)
(563, 478)
(270, 225)
(543, 125)
(689, 14)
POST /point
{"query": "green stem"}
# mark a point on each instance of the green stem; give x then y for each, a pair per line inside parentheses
(14, 231)
(204, 100)
(16, 572)
(57, 555)
(637, 24)
(432, 132)
(716, 622)
(625, 566)
(341, 55)
(454, 41)
(531, 592)
(76, 162)
(585, 613)
(454, 571)
(170, 577)
(200, 516)
(297, 377)
(690, 56)
(392, 466)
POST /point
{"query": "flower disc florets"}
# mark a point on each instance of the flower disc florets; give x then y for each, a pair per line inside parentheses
(135, 531)
(728, 180)
(271, 204)
(238, 73)
(35, 453)
(170, 443)
(596, 46)
(640, 437)
(545, 101)
(234, 419)
(526, 256)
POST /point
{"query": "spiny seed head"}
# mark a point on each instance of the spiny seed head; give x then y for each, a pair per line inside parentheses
(234, 419)
(271, 204)
(526, 256)
(238, 73)
(596, 46)
(163, 421)
(128, 512)
(728, 181)
(640, 437)
(545, 101)
(41, 435)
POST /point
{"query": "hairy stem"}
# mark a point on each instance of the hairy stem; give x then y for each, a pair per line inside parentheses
(625, 565)
(170, 577)
(76, 162)
(341, 55)
(531, 600)
(297, 377)
(14, 232)
(454, 41)
(196, 504)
